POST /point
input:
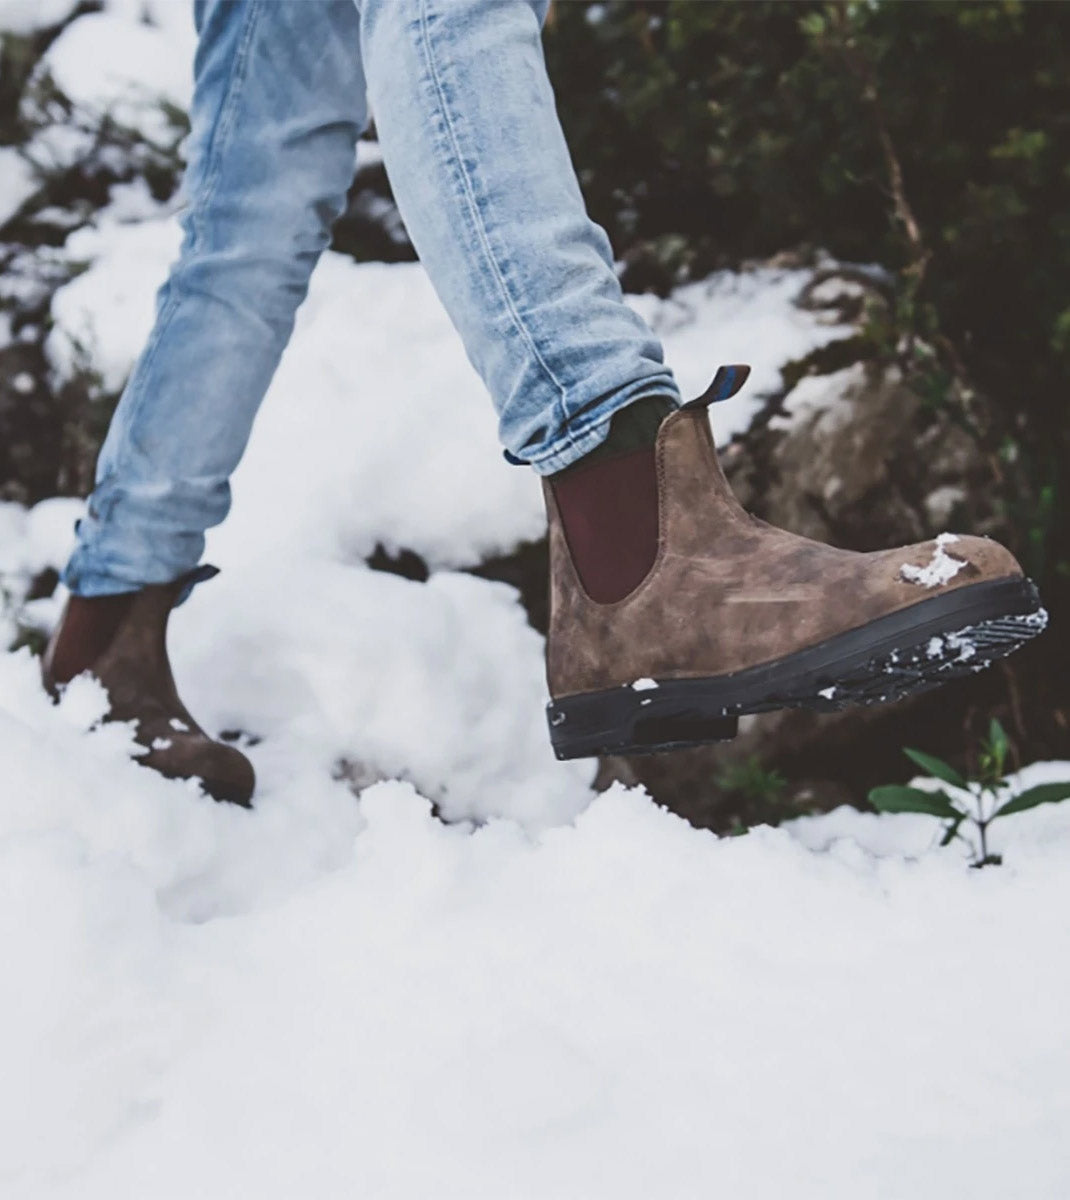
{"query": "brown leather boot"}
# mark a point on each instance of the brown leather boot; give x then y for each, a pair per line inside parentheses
(122, 641)
(673, 611)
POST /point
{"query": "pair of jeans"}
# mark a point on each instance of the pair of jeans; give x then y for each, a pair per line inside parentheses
(478, 163)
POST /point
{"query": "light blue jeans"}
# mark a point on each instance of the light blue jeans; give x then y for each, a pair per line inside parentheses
(471, 141)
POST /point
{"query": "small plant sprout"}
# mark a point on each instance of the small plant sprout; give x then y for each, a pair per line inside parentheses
(976, 803)
(751, 781)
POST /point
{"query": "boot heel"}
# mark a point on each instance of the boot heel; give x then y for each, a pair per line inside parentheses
(625, 720)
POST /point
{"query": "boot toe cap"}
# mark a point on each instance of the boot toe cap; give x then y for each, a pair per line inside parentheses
(228, 775)
(223, 771)
(954, 560)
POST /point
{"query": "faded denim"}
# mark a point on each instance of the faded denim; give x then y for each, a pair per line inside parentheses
(471, 141)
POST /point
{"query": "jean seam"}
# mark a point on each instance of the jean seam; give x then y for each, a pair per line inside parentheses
(213, 156)
(221, 131)
(476, 216)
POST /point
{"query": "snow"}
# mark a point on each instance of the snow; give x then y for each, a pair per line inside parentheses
(644, 685)
(104, 59)
(128, 62)
(18, 182)
(103, 316)
(326, 997)
(941, 503)
(30, 542)
(12, 536)
(966, 649)
(50, 533)
(106, 62)
(1038, 619)
(550, 994)
(558, 994)
(940, 569)
(24, 17)
(822, 399)
(960, 643)
(747, 316)
(369, 154)
(836, 291)
(341, 669)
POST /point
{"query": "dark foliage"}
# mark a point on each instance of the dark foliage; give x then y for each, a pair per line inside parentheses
(931, 137)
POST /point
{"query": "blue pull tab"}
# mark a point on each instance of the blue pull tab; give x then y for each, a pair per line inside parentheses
(726, 383)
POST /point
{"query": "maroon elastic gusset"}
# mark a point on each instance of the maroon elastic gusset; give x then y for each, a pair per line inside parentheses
(89, 624)
(609, 513)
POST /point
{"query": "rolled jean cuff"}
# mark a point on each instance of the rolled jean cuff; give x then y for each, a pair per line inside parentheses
(577, 442)
(92, 584)
(95, 569)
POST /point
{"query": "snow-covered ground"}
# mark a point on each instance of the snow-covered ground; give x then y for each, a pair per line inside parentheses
(330, 997)
(555, 996)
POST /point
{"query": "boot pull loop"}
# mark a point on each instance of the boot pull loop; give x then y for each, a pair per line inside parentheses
(726, 383)
(184, 584)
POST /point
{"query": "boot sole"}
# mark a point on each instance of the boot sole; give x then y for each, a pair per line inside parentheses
(907, 652)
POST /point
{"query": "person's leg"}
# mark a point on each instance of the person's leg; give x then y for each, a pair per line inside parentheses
(479, 166)
(278, 105)
(672, 610)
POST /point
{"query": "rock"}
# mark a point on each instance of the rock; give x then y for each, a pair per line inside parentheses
(855, 458)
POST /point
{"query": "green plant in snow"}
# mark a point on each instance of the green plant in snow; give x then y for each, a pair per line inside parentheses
(976, 803)
(759, 795)
(752, 781)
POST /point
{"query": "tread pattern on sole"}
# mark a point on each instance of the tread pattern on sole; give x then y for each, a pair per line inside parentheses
(899, 663)
(920, 667)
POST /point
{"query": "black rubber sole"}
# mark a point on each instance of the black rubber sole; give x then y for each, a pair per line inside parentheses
(911, 651)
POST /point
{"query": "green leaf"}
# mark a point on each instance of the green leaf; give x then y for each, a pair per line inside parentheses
(951, 831)
(936, 766)
(997, 735)
(813, 25)
(897, 799)
(1043, 793)
(997, 740)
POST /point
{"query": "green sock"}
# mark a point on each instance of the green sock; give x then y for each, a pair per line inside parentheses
(632, 428)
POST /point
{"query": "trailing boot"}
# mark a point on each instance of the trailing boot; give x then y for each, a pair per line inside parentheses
(122, 641)
(673, 611)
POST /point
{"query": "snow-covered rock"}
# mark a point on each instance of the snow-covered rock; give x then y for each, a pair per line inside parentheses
(105, 62)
